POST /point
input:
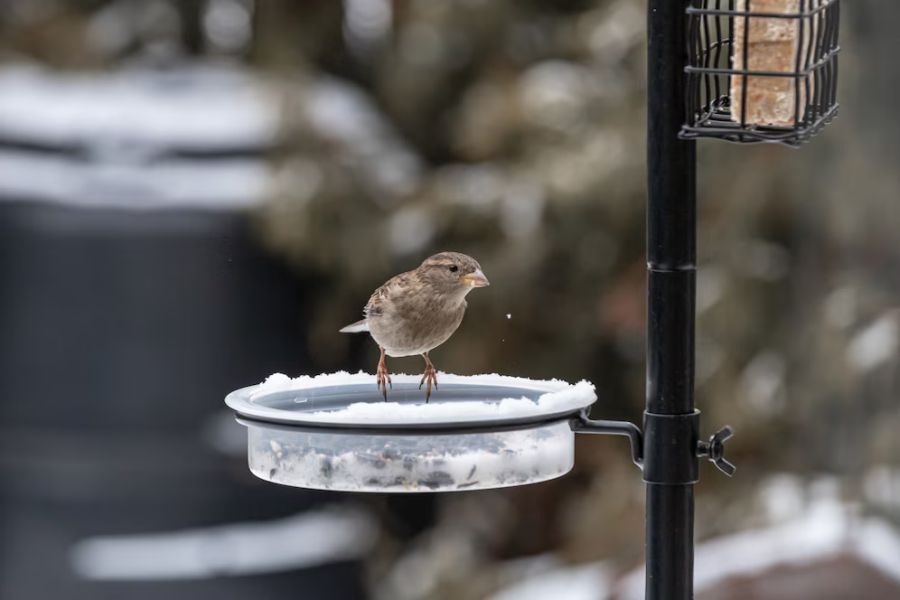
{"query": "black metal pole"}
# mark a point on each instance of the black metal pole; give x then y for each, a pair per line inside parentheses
(670, 422)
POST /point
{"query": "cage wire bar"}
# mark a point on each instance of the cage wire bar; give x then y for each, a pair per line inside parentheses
(785, 91)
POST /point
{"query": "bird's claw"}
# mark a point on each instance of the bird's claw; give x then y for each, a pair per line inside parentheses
(429, 378)
(383, 378)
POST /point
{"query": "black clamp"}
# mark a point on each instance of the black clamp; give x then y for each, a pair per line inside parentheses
(714, 450)
(661, 463)
(665, 439)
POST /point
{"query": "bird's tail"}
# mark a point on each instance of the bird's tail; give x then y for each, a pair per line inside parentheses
(361, 325)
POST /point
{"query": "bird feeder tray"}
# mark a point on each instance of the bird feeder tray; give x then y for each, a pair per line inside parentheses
(761, 70)
(336, 432)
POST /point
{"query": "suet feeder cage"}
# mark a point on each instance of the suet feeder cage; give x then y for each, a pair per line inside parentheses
(761, 70)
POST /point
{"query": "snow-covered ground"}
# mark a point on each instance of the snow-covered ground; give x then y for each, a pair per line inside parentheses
(195, 136)
(136, 139)
(591, 581)
(809, 525)
(148, 111)
(330, 534)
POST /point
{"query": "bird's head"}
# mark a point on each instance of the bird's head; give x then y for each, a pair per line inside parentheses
(452, 271)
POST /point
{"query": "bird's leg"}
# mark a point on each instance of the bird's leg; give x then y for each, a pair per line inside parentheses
(382, 377)
(428, 378)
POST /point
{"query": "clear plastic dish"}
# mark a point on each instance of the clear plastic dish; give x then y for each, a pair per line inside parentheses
(335, 432)
(373, 461)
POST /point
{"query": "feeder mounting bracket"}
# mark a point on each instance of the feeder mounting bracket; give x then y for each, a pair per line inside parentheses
(666, 467)
(583, 424)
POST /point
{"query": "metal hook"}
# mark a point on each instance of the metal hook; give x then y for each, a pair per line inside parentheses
(583, 424)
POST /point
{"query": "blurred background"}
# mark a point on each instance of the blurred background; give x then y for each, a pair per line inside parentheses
(195, 194)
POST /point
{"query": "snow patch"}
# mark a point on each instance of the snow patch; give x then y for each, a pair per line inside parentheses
(556, 397)
(142, 110)
(582, 582)
(825, 529)
(330, 534)
(875, 344)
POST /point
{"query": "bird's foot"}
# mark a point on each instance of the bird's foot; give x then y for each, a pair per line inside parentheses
(383, 378)
(430, 377)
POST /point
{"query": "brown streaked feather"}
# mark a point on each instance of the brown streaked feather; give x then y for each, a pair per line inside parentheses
(392, 288)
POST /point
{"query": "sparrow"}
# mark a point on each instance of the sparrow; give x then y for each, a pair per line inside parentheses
(417, 311)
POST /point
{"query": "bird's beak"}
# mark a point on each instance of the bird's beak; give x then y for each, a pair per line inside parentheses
(476, 279)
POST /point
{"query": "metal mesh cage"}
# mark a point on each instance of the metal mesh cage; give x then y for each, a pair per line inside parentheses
(761, 70)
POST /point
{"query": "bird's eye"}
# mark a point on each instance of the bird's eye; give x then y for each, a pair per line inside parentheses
(454, 268)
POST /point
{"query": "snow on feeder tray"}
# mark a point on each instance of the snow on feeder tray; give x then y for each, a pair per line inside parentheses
(335, 432)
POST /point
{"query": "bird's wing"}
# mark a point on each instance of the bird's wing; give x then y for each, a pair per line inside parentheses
(384, 297)
(375, 305)
(373, 308)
